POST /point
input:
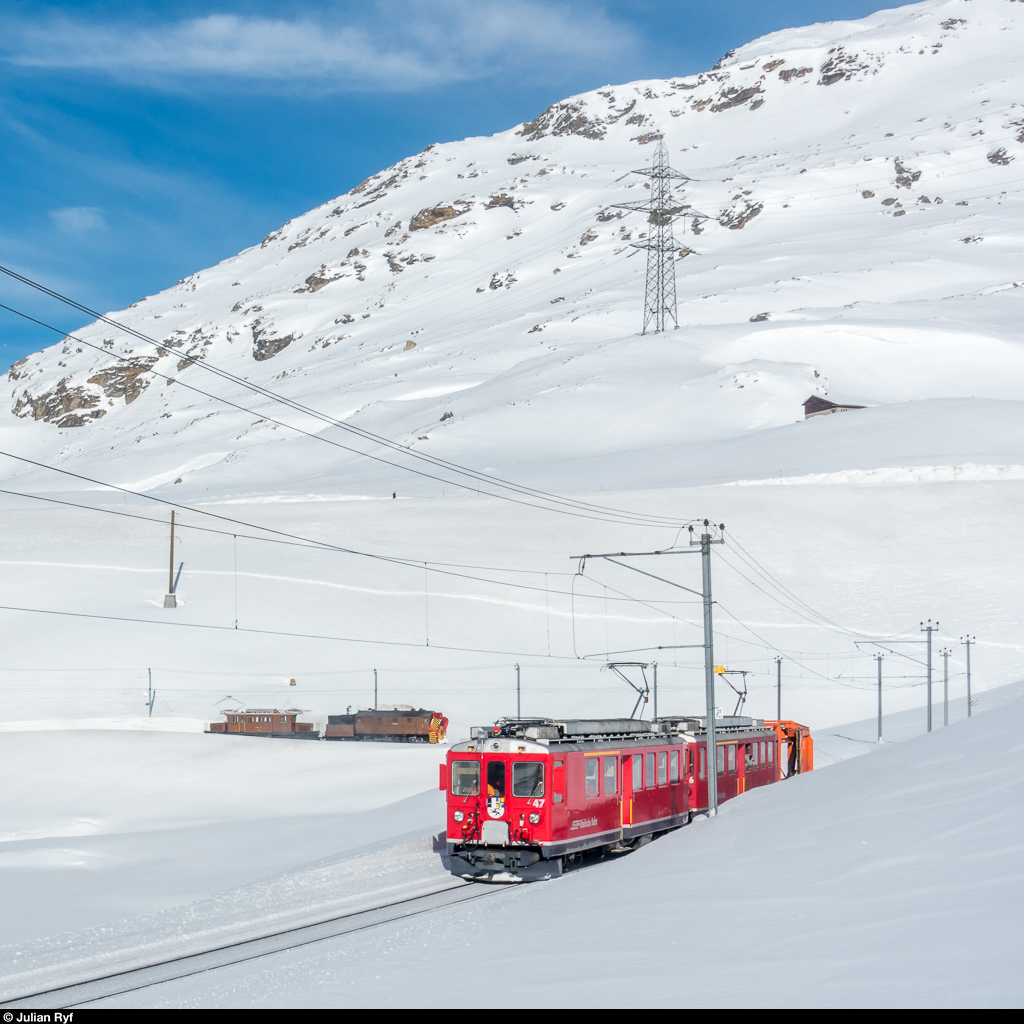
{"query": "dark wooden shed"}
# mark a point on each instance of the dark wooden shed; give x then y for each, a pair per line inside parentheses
(817, 406)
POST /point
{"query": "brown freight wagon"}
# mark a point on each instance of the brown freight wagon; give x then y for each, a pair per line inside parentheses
(266, 722)
(404, 725)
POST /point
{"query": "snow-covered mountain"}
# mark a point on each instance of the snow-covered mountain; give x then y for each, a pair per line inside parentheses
(481, 300)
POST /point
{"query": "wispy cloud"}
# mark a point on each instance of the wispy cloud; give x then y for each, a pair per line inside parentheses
(78, 220)
(399, 46)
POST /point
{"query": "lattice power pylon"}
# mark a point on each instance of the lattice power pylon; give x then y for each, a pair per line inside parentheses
(662, 209)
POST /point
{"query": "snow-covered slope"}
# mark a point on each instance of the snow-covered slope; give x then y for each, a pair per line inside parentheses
(862, 241)
(890, 879)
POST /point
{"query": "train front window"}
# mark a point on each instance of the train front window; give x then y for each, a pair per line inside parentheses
(465, 778)
(527, 778)
(495, 778)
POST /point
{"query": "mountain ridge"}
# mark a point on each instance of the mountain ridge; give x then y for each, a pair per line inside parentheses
(481, 289)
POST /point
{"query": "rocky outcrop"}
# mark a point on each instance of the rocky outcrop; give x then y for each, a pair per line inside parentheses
(739, 216)
(566, 118)
(126, 380)
(265, 345)
(432, 215)
(734, 97)
(64, 406)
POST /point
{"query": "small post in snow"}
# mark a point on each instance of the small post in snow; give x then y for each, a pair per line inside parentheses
(151, 697)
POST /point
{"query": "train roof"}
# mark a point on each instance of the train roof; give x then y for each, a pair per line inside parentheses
(549, 731)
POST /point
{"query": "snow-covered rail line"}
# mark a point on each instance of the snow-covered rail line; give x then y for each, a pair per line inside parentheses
(116, 983)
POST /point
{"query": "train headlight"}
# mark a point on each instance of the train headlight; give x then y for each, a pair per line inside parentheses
(535, 818)
(458, 816)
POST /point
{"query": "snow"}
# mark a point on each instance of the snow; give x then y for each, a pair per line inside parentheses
(823, 887)
(859, 884)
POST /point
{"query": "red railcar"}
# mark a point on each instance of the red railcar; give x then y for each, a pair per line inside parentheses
(526, 798)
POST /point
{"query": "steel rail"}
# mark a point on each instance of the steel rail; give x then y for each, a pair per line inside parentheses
(115, 983)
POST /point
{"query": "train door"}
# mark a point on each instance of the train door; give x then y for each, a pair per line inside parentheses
(494, 830)
(627, 787)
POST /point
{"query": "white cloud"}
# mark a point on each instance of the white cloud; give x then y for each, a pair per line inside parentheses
(398, 46)
(78, 220)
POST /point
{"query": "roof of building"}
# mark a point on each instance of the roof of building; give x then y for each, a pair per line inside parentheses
(818, 404)
(263, 711)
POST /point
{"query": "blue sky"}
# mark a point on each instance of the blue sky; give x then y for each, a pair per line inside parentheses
(140, 142)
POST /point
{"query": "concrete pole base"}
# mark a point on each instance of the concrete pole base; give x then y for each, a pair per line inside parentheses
(170, 601)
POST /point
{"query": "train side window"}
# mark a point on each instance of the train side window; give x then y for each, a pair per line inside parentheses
(465, 778)
(771, 752)
(558, 782)
(750, 755)
(527, 778)
(732, 757)
(638, 772)
(689, 762)
(721, 759)
(662, 768)
(764, 756)
(592, 787)
(703, 761)
(673, 766)
(649, 778)
(610, 776)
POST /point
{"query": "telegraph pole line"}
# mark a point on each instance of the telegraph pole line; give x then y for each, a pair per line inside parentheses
(967, 641)
(778, 687)
(929, 629)
(654, 668)
(878, 658)
(709, 663)
(170, 600)
(945, 686)
(519, 707)
(707, 538)
(374, 689)
(662, 248)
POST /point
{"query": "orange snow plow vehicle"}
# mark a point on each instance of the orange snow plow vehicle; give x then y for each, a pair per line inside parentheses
(796, 747)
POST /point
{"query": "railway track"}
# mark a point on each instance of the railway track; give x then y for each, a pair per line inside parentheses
(89, 990)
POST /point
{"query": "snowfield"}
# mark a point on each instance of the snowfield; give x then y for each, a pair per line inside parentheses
(476, 305)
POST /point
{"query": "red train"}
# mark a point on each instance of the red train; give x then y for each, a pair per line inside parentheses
(526, 798)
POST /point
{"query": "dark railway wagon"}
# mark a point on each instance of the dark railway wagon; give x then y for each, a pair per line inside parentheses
(525, 798)
(404, 725)
(265, 722)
